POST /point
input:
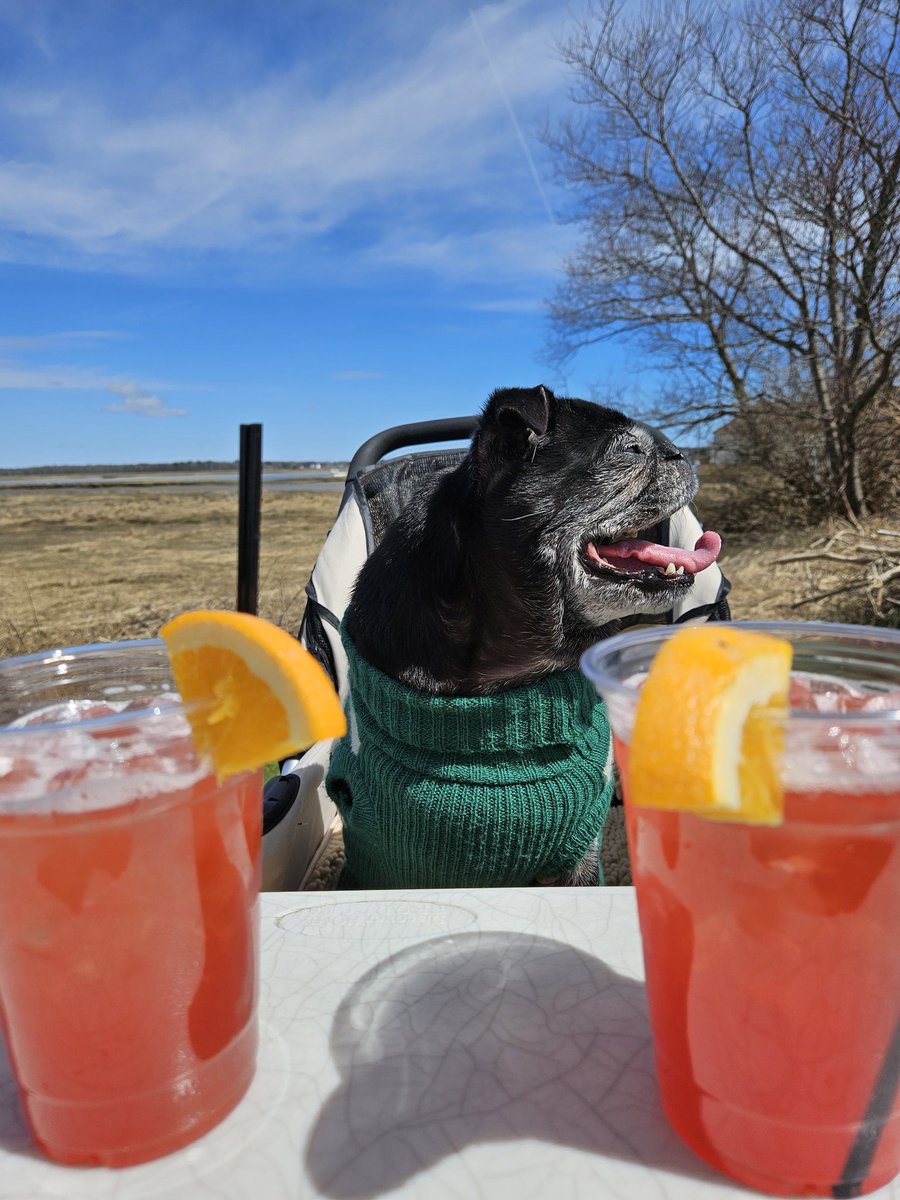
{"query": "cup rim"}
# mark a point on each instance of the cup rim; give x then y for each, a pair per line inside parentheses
(170, 702)
(56, 653)
(610, 686)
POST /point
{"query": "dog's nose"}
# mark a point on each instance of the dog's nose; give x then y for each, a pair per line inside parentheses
(666, 449)
(669, 450)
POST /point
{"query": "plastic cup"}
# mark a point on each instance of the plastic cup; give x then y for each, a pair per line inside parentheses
(129, 883)
(771, 952)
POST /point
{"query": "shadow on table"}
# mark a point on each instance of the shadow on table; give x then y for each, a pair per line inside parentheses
(489, 1037)
(14, 1135)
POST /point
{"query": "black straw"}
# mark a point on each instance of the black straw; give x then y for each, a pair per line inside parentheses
(249, 505)
(877, 1115)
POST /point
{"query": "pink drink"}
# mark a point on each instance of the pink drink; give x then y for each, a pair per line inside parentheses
(129, 907)
(771, 955)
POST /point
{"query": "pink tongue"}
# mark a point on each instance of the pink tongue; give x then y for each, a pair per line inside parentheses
(702, 556)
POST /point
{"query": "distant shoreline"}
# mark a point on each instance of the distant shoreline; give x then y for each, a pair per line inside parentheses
(277, 477)
(171, 468)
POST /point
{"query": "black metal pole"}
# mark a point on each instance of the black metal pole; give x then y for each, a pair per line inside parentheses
(249, 507)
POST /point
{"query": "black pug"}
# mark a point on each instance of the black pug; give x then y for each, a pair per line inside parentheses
(502, 571)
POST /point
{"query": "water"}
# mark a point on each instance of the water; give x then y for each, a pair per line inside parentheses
(174, 481)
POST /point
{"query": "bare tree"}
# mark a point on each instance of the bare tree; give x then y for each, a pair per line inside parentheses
(735, 168)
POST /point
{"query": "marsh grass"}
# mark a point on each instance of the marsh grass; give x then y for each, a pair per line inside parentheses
(86, 565)
(761, 529)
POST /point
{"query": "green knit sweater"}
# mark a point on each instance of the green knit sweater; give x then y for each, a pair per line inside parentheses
(468, 791)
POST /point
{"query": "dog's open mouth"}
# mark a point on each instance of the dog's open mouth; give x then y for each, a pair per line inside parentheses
(647, 562)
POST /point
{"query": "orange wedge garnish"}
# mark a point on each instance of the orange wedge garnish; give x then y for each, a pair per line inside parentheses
(253, 693)
(709, 727)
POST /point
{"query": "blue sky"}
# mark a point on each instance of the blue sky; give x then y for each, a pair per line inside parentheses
(327, 217)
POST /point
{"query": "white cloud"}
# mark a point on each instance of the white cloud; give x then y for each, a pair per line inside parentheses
(135, 397)
(43, 378)
(426, 138)
(141, 403)
(49, 341)
(497, 254)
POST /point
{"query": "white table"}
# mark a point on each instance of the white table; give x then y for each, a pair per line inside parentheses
(446, 1045)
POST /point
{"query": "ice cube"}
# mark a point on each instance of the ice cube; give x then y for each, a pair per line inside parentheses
(881, 702)
(823, 694)
(78, 767)
(68, 712)
(878, 759)
(15, 771)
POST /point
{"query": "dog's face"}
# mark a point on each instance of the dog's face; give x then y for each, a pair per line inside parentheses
(574, 485)
(515, 561)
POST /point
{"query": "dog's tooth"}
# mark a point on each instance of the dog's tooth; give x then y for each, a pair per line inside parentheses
(670, 569)
(680, 571)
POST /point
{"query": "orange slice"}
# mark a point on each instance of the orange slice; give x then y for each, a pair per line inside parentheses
(266, 696)
(709, 727)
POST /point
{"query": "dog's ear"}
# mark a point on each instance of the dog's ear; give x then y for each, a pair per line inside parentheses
(518, 415)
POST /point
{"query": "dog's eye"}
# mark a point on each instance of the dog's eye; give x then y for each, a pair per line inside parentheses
(634, 448)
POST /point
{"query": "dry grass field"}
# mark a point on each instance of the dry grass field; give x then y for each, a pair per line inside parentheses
(783, 569)
(84, 564)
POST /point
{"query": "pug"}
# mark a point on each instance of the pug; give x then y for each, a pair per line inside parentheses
(495, 578)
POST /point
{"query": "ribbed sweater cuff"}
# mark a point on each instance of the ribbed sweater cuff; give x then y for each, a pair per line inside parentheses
(553, 711)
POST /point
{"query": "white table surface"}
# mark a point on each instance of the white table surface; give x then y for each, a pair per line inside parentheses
(446, 1045)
